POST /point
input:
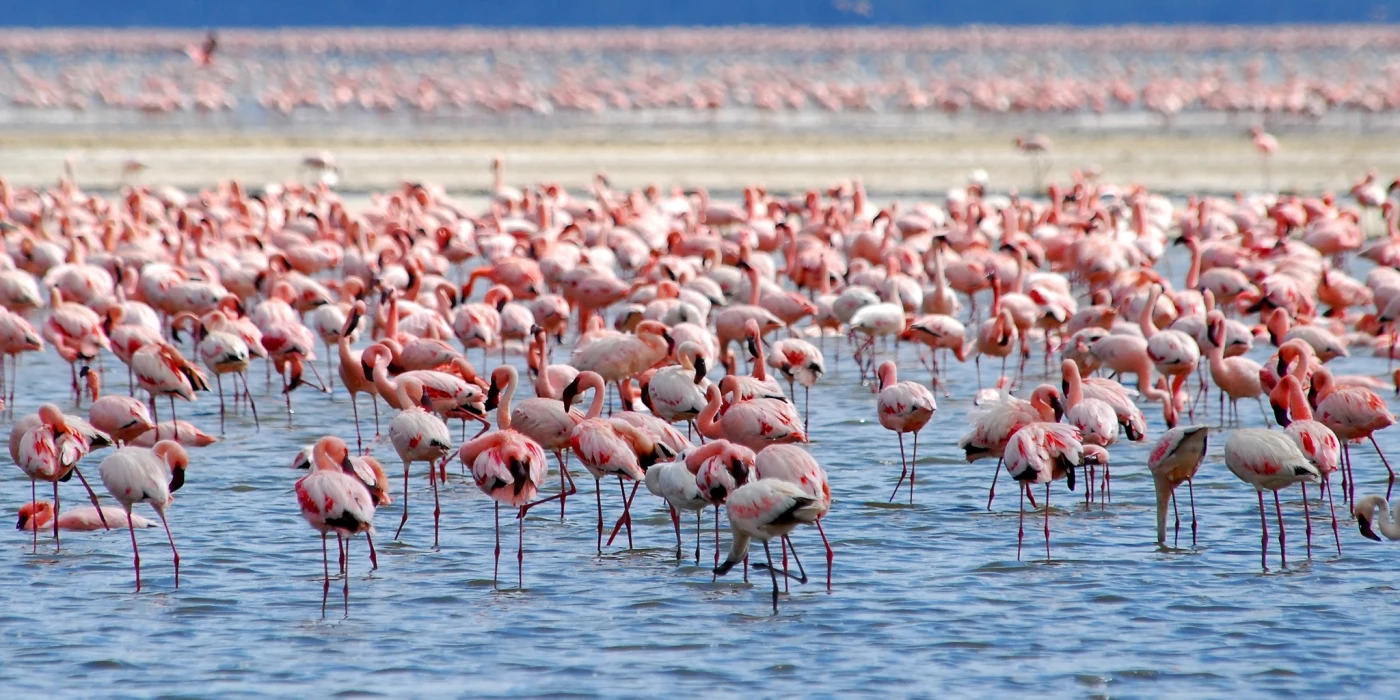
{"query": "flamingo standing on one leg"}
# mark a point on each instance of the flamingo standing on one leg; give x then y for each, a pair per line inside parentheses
(1268, 460)
(150, 475)
(1174, 459)
(904, 407)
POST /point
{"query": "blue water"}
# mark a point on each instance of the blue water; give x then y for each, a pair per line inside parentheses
(926, 599)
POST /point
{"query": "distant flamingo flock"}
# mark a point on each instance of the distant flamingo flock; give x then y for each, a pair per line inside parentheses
(1299, 74)
(689, 322)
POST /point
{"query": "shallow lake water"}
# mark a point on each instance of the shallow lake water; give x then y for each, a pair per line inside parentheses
(926, 599)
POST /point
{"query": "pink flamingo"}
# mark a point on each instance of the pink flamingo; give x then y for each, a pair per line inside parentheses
(994, 422)
(121, 417)
(610, 447)
(333, 499)
(161, 370)
(36, 515)
(1237, 377)
(904, 407)
(762, 510)
(141, 475)
(222, 352)
(418, 436)
(49, 450)
(1316, 441)
(1353, 413)
(1038, 454)
(797, 466)
(1174, 459)
(753, 424)
(509, 467)
(17, 337)
(1268, 460)
(674, 482)
(546, 421)
(353, 375)
(615, 358)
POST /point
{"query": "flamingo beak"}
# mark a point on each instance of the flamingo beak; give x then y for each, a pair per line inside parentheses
(1069, 477)
(346, 465)
(570, 392)
(1363, 524)
(493, 395)
(1059, 407)
(23, 520)
(1280, 415)
(701, 370)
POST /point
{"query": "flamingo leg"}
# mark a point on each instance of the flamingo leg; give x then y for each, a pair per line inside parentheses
(992, 492)
(373, 556)
(801, 570)
(520, 557)
(355, 410)
(347, 577)
(496, 568)
(698, 515)
(34, 498)
(1282, 547)
(251, 406)
(57, 546)
(772, 574)
(716, 566)
(173, 550)
(913, 466)
(676, 523)
(1021, 524)
(404, 520)
(92, 495)
(325, 567)
(1047, 521)
(1391, 485)
(830, 555)
(1264, 539)
(437, 504)
(219, 379)
(1327, 484)
(1307, 521)
(783, 548)
(598, 493)
(903, 468)
(1191, 491)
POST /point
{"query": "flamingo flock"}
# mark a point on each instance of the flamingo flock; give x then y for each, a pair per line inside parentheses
(1293, 74)
(686, 322)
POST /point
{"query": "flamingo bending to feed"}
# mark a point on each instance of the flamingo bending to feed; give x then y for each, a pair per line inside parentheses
(762, 510)
(1268, 460)
(1040, 453)
(1389, 523)
(141, 475)
(1174, 459)
(904, 407)
(37, 515)
(797, 466)
(332, 499)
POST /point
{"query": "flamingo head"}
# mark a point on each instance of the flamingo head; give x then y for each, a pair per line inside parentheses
(176, 458)
(38, 511)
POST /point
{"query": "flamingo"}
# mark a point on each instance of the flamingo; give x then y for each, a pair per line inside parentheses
(353, 375)
(418, 436)
(677, 392)
(160, 370)
(1316, 441)
(1038, 454)
(615, 358)
(547, 421)
(611, 447)
(753, 424)
(49, 450)
(762, 510)
(1237, 377)
(36, 515)
(1268, 460)
(939, 332)
(1352, 413)
(797, 466)
(994, 422)
(1093, 417)
(674, 482)
(146, 475)
(904, 407)
(332, 499)
(123, 418)
(1174, 459)
(1389, 522)
(222, 352)
(799, 362)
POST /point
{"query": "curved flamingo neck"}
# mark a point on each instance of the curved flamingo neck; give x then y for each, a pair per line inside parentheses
(760, 370)
(706, 422)
(503, 406)
(753, 286)
(594, 382)
(402, 391)
(1149, 327)
(1075, 392)
(1193, 274)
(1386, 520)
(1298, 403)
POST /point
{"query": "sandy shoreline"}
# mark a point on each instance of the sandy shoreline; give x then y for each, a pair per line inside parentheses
(1173, 163)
